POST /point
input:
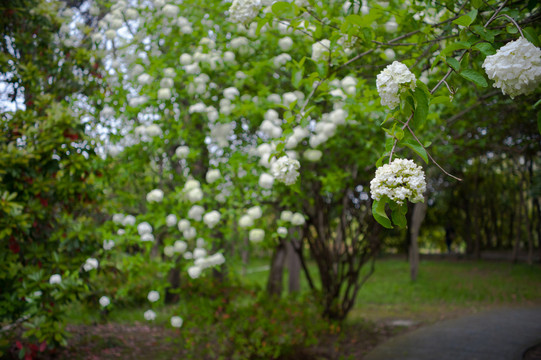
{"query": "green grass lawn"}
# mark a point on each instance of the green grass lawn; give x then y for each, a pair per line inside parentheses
(444, 288)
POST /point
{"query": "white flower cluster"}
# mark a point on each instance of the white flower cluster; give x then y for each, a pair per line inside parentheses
(252, 214)
(286, 170)
(515, 68)
(243, 11)
(320, 49)
(90, 264)
(271, 125)
(192, 191)
(153, 296)
(400, 180)
(149, 315)
(55, 279)
(296, 219)
(256, 235)
(392, 81)
(145, 231)
(176, 321)
(212, 218)
(104, 301)
(155, 195)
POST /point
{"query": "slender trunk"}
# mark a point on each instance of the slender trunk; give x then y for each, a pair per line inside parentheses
(276, 274)
(293, 266)
(419, 211)
(514, 257)
(245, 255)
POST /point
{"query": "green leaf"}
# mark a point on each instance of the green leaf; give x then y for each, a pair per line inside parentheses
(485, 49)
(378, 211)
(417, 148)
(475, 77)
(466, 20)
(485, 34)
(477, 3)
(459, 45)
(453, 63)
(440, 100)
(421, 108)
(399, 217)
(296, 77)
(283, 9)
(531, 35)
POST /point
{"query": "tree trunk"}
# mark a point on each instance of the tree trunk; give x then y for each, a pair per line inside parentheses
(276, 274)
(293, 266)
(419, 212)
(245, 255)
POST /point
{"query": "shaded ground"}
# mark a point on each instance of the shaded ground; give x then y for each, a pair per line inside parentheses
(139, 341)
(502, 334)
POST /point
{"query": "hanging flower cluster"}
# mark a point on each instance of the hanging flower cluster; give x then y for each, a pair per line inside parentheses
(244, 11)
(515, 68)
(392, 81)
(286, 170)
(400, 180)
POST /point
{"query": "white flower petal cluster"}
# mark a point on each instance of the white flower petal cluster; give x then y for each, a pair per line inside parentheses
(297, 219)
(285, 170)
(282, 231)
(149, 315)
(320, 49)
(194, 271)
(182, 152)
(176, 321)
(244, 11)
(266, 181)
(155, 195)
(90, 264)
(400, 180)
(170, 10)
(254, 212)
(129, 220)
(392, 81)
(144, 228)
(213, 175)
(515, 68)
(285, 43)
(212, 218)
(246, 221)
(147, 238)
(108, 244)
(153, 296)
(312, 155)
(256, 235)
(184, 224)
(104, 301)
(169, 251)
(195, 213)
(171, 220)
(55, 279)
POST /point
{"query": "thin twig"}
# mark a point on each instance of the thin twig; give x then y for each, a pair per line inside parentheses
(514, 23)
(496, 13)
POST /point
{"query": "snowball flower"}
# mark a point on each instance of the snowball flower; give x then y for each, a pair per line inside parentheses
(400, 180)
(282, 231)
(515, 68)
(195, 213)
(171, 220)
(285, 170)
(153, 296)
(108, 244)
(144, 228)
(212, 218)
(184, 224)
(194, 271)
(246, 221)
(164, 94)
(185, 59)
(231, 93)
(147, 237)
(195, 195)
(254, 212)
(285, 43)
(182, 152)
(312, 155)
(104, 301)
(55, 279)
(286, 215)
(320, 48)
(170, 10)
(169, 251)
(256, 235)
(180, 246)
(90, 264)
(155, 195)
(392, 81)
(153, 130)
(149, 315)
(199, 253)
(212, 175)
(297, 219)
(266, 181)
(129, 220)
(244, 11)
(144, 79)
(189, 233)
(118, 218)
